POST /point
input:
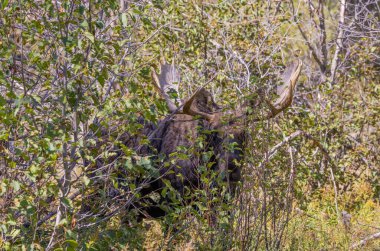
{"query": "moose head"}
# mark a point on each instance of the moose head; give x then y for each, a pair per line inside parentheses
(183, 127)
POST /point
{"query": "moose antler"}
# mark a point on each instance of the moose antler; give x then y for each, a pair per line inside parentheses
(167, 83)
(190, 107)
(285, 92)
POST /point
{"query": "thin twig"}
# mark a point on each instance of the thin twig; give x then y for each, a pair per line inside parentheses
(316, 142)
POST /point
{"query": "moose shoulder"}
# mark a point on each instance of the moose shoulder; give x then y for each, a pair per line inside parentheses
(179, 133)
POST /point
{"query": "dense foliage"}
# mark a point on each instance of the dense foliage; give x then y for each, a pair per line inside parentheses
(75, 84)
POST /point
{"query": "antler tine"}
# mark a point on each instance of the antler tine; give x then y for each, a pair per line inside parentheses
(167, 81)
(156, 81)
(286, 91)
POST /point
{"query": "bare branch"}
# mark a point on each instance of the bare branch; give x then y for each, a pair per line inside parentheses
(365, 240)
(339, 40)
(308, 43)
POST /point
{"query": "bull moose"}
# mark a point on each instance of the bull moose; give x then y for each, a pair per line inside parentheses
(187, 122)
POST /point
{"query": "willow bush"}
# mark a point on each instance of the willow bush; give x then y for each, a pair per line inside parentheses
(75, 82)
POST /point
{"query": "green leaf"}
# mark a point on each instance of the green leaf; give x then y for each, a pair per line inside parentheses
(4, 3)
(15, 232)
(124, 19)
(2, 101)
(72, 243)
(86, 180)
(67, 202)
(16, 185)
(89, 36)
(99, 24)
(34, 169)
(12, 223)
(84, 24)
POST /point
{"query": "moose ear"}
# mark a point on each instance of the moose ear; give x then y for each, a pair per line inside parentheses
(167, 83)
(287, 89)
(199, 104)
